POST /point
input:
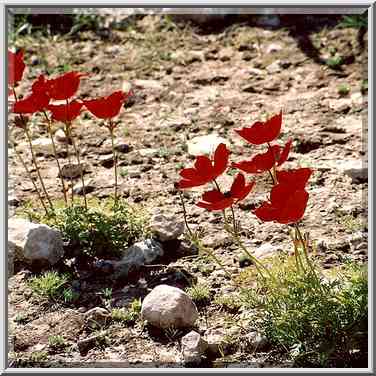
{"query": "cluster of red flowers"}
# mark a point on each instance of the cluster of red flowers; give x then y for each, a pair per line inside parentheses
(288, 197)
(62, 88)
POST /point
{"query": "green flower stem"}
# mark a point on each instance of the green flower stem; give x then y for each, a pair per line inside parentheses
(194, 239)
(67, 132)
(37, 167)
(32, 153)
(298, 259)
(70, 164)
(185, 213)
(234, 220)
(110, 127)
(204, 249)
(305, 251)
(68, 127)
(31, 178)
(259, 266)
(56, 157)
(299, 236)
(274, 173)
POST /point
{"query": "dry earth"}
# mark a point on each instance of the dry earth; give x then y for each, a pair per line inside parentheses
(189, 82)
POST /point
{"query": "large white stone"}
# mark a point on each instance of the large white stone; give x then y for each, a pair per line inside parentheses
(169, 307)
(34, 242)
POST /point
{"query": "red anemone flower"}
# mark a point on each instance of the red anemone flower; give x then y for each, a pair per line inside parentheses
(262, 132)
(107, 107)
(40, 85)
(265, 161)
(288, 199)
(16, 67)
(215, 200)
(37, 101)
(65, 112)
(64, 86)
(204, 170)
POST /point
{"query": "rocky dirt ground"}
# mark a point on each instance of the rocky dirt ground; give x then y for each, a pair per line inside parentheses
(189, 81)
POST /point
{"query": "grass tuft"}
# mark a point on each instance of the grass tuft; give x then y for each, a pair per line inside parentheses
(49, 285)
(318, 327)
(103, 230)
(129, 316)
(199, 293)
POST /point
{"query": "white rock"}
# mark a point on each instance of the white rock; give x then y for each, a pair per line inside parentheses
(148, 84)
(149, 152)
(78, 189)
(72, 170)
(273, 47)
(126, 86)
(274, 67)
(141, 253)
(169, 307)
(96, 316)
(166, 227)
(205, 145)
(356, 170)
(193, 347)
(34, 242)
(357, 98)
(256, 341)
(61, 137)
(120, 145)
(340, 105)
(266, 250)
(106, 160)
(358, 241)
(150, 249)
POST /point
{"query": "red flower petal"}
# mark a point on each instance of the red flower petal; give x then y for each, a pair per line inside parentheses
(266, 212)
(260, 162)
(203, 166)
(203, 171)
(296, 178)
(16, 67)
(285, 153)
(40, 85)
(106, 107)
(262, 132)
(213, 196)
(221, 155)
(188, 173)
(33, 103)
(245, 192)
(215, 200)
(294, 208)
(65, 113)
(65, 86)
(279, 194)
(238, 185)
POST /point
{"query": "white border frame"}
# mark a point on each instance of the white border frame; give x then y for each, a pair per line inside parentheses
(275, 6)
